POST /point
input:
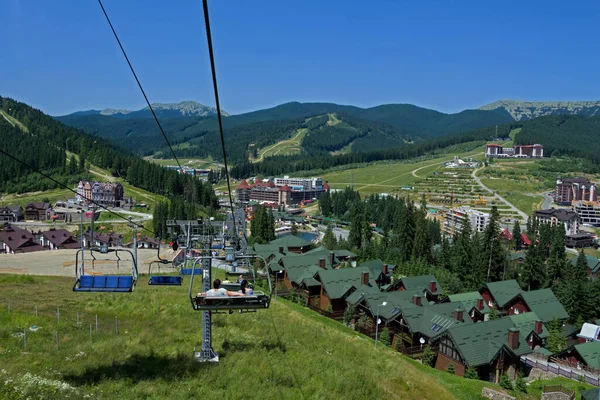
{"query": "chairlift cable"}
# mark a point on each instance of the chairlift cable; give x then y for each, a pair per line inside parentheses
(140, 85)
(214, 79)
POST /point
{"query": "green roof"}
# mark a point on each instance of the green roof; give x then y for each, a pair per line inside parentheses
(543, 351)
(433, 320)
(592, 262)
(290, 241)
(397, 302)
(590, 352)
(469, 301)
(344, 253)
(480, 343)
(526, 323)
(420, 283)
(503, 291)
(512, 255)
(337, 282)
(545, 304)
(361, 293)
(590, 394)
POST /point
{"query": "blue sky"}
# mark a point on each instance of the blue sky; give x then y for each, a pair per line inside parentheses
(60, 56)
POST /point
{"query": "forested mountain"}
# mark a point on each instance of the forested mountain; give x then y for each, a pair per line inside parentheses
(571, 135)
(366, 128)
(65, 153)
(524, 110)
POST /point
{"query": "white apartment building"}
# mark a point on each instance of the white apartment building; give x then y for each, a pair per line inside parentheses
(455, 220)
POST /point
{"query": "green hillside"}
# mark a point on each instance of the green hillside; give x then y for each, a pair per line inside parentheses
(378, 127)
(68, 155)
(570, 135)
(285, 352)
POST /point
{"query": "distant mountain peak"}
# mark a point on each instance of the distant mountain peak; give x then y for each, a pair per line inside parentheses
(188, 108)
(112, 111)
(523, 110)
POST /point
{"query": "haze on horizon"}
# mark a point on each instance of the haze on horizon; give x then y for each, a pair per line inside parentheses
(61, 57)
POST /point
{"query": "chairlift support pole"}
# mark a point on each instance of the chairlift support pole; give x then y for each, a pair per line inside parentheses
(206, 353)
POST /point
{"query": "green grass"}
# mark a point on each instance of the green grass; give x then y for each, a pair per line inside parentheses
(201, 163)
(389, 176)
(22, 199)
(286, 352)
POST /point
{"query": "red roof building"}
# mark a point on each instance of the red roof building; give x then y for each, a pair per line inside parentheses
(525, 240)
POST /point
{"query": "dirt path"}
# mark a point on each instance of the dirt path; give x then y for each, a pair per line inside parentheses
(524, 216)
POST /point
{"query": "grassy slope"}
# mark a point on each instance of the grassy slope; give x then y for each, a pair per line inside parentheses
(13, 121)
(285, 352)
(284, 147)
(388, 176)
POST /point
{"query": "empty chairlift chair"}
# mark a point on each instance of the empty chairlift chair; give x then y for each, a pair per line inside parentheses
(163, 280)
(104, 283)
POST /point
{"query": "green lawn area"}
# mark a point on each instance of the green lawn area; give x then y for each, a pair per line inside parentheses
(388, 176)
(201, 163)
(22, 199)
(285, 352)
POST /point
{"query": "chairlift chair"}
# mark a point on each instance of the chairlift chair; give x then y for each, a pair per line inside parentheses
(162, 280)
(249, 303)
(105, 283)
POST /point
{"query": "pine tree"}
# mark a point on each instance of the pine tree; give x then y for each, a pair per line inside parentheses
(516, 236)
(493, 250)
(385, 338)
(520, 384)
(450, 369)
(471, 373)
(533, 274)
(505, 382)
(329, 240)
(428, 356)
(462, 257)
(493, 314)
(556, 339)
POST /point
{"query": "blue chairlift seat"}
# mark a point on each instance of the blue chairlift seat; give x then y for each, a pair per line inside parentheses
(188, 271)
(166, 280)
(114, 283)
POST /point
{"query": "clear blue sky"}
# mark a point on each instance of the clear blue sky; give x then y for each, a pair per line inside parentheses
(60, 56)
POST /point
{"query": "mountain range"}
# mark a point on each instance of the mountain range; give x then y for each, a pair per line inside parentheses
(163, 110)
(324, 128)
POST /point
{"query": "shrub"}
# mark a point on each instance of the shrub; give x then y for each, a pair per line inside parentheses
(505, 382)
(471, 373)
(450, 369)
(349, 313)
(520, 384)
(385, 338)
(428, 356)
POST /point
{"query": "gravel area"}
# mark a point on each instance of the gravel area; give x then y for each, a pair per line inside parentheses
(62, 262)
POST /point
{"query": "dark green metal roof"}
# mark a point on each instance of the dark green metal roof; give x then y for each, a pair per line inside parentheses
(590, 352)
(420, 283)
(480, 343)
(338, 282)
(526, 323)
(503, 291)
(545, 304)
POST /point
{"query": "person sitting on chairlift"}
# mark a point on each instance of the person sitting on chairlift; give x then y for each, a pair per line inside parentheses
(218, 291)
(246, 289)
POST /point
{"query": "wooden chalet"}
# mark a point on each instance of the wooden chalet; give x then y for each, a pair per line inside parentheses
(492, 348)
(37, 211)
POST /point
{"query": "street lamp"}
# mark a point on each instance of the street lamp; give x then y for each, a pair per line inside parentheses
(377, 322)
(276, 274)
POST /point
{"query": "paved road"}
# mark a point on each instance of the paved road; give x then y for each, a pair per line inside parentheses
(547, 201)
(524, 216)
